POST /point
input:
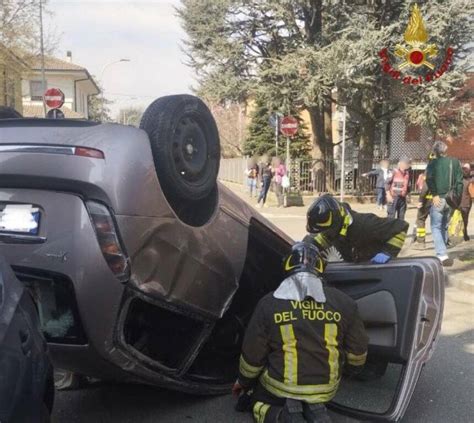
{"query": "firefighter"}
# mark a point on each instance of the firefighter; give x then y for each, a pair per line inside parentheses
(356, 236)
(297, 343)
(424, 206)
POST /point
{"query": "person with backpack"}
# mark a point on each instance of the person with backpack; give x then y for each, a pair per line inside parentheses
(397, 187)
(298, 341)
(444, 178)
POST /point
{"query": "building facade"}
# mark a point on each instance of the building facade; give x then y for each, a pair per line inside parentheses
(73, 80)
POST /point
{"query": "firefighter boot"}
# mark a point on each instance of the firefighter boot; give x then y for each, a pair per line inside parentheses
(316, 413)
(292, 412)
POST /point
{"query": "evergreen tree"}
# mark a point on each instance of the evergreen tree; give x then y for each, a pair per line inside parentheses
(261, 136)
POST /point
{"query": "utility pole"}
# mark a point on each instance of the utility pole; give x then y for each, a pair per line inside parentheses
(343, 152)
(43, 76)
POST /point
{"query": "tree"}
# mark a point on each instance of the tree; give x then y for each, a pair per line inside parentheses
(261, 136)
(99, 110)
(241, 40)
(20, 28)
(299, 53)
(130, 116)
(230, 120)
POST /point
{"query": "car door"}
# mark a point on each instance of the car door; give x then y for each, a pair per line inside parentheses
(401, 304)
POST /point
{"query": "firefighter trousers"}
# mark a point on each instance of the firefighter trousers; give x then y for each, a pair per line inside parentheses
(421, 216)
(268, 408)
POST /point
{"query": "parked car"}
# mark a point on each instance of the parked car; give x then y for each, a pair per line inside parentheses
(26, 374)
(146, 269)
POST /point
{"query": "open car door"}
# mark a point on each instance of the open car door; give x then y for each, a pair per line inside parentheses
(401, 304)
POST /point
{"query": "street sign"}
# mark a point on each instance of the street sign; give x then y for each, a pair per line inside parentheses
(289, 126)
(274, 119)
(55, 114)
(54, 98)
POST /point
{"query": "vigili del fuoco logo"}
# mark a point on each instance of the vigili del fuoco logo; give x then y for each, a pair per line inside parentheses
(415, 53)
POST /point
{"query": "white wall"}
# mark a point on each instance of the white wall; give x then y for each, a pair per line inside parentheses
(65, 82)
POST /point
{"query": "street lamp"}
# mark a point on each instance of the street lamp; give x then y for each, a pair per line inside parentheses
(102, 86)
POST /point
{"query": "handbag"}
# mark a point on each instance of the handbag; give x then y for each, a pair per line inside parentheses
(285, 181)
(452, 198)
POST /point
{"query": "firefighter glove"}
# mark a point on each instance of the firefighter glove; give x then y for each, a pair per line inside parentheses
(380, 258)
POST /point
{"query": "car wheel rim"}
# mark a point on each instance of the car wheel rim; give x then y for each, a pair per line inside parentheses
(190, 150)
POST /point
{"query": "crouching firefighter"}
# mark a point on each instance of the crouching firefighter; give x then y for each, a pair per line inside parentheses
(356, 236)
(297, 342)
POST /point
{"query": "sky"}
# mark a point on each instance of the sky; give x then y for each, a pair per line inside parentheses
(147, 32)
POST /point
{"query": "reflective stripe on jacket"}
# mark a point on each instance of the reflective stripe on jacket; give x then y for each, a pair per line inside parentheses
(365, 236)
(297, 349)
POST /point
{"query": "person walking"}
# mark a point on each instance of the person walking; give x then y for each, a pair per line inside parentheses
(397, 187)
(279, 171)
(443, 176)
(382, 175)
(267, 174)
(298, 342)
(466, 199)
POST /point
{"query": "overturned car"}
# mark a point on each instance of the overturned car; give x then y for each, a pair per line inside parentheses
(146, 269)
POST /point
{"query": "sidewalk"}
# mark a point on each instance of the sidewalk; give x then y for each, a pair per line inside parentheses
(292, 220)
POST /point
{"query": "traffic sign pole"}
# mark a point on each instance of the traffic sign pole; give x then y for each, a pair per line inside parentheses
(277, 130)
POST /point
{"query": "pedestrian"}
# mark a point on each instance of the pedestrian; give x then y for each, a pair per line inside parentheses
(356, 236)
(267, 174)
(397, 187)
(252, 178)
(444, 177)
(279, 171)
(466, 198)
(382, 175)
(297, 343)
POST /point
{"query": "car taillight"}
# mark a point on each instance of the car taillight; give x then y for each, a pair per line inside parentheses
(88, 152)
(109, 241)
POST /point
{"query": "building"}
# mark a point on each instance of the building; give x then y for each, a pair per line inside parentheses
(12, 69)
(73, 80)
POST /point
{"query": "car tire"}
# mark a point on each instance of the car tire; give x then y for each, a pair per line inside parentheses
(185, 146)
(65, 380)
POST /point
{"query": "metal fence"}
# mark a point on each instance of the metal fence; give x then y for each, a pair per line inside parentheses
(307, 178)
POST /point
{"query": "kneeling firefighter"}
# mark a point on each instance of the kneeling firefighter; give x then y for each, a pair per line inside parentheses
(357, 236)
(297, 342)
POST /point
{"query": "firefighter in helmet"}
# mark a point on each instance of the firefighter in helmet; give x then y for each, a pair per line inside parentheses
(424, 206)
(297, 342)
(356, 236)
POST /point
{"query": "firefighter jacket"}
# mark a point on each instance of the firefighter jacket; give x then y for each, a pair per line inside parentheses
(296, 349)
(363, 235)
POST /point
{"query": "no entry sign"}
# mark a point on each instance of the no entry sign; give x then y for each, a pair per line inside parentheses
(54, 98)
(289, 126)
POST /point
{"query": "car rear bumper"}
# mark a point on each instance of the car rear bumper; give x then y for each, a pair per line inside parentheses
(70, 256)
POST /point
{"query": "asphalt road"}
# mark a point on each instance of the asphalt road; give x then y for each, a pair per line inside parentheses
(444, 392)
